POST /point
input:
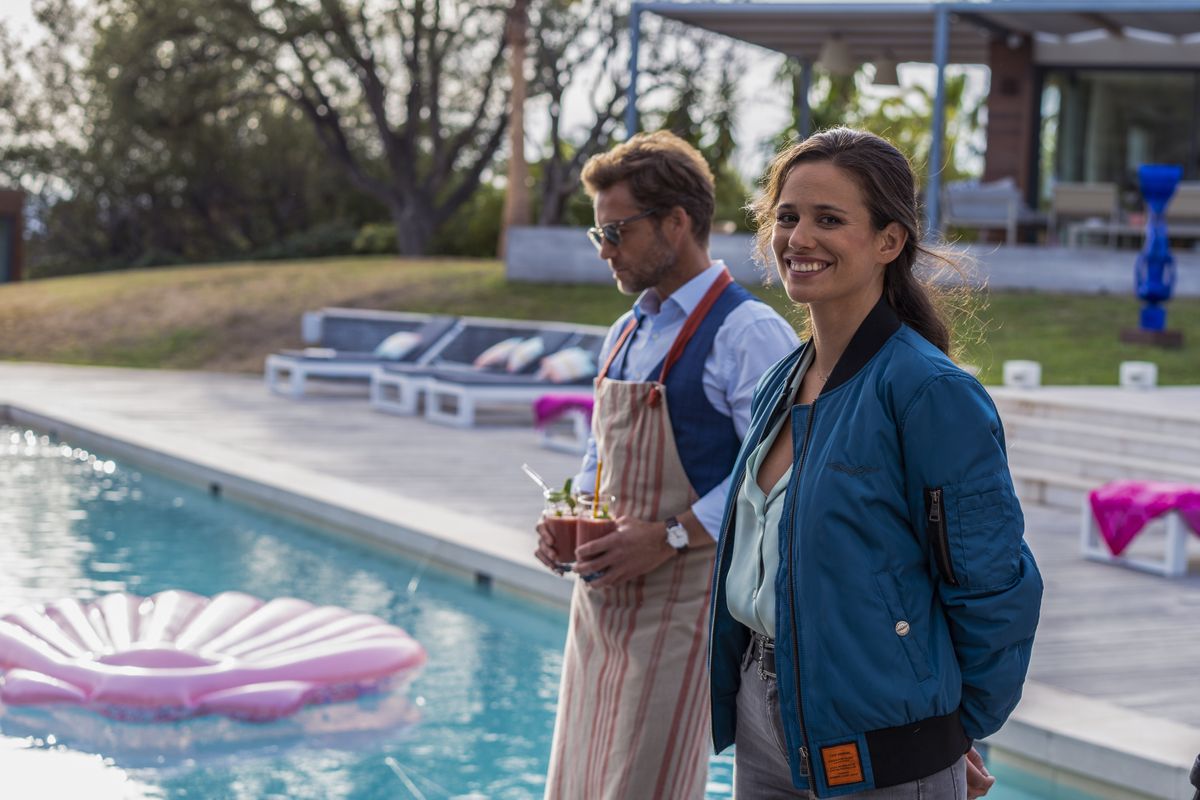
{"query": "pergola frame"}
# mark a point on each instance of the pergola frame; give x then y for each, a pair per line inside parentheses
(997, 18)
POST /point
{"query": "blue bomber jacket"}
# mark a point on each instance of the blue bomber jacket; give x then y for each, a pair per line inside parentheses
(906, 598)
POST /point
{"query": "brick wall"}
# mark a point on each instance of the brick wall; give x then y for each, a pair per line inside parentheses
(1011, 135)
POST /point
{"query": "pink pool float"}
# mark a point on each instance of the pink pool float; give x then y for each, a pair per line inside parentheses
(176, 655)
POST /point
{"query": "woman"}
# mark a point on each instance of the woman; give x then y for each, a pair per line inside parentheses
(874, 602)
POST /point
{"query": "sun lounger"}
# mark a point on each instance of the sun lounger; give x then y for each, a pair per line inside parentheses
(452, 388)
(347, 340)
(983, 206)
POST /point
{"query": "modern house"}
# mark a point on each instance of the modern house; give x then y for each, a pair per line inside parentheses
(1081, 90)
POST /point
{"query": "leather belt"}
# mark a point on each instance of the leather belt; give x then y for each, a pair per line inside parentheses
(764, 655)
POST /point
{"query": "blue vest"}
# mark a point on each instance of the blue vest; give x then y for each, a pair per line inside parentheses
(706, 440)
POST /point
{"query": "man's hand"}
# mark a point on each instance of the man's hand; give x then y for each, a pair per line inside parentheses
(545, 551)
(979, 780)
(635, 548)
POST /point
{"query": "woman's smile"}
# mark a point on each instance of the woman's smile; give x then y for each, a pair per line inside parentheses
(805, 266)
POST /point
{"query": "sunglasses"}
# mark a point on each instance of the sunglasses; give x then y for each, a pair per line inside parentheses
(611, 231)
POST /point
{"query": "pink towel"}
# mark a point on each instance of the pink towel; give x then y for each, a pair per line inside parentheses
(1122, 508)
(550, 407)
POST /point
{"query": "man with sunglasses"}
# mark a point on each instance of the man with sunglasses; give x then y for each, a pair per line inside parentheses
(672, 405)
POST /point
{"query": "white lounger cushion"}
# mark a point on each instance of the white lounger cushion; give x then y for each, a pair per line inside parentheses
(398, 345)
(568, 364)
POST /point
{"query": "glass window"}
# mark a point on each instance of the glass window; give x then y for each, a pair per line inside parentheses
(1101, 125)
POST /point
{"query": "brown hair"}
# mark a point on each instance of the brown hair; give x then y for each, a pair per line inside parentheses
(886, 181)
(662, 171)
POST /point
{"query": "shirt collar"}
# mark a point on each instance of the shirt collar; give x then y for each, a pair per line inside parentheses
(685, 298)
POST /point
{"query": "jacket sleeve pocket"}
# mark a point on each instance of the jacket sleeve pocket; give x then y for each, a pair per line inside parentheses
(984, 531)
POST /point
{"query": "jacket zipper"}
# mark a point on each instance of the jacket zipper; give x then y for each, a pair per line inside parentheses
(734, 483)
(935, 526)
(804, 762)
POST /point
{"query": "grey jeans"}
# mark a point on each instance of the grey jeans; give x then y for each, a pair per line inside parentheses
(760, 765)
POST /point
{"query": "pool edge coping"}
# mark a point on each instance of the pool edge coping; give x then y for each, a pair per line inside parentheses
(456, 542)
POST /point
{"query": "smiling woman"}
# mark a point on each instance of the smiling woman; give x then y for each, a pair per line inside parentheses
(886, 518)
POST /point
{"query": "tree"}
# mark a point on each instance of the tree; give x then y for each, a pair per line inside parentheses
(169, 155)
(703, 112)
(516, 197)
(578, 42)
(905, 116)
(407, 99)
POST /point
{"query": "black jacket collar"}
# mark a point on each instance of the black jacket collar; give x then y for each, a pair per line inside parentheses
(871, 335)
(878, 326)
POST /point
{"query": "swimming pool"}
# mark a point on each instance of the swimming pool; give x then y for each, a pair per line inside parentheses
(76, 524)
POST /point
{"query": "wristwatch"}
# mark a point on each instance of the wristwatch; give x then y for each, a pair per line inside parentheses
(677, 535)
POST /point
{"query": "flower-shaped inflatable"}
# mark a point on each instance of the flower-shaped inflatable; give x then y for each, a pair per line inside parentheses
(177, 655)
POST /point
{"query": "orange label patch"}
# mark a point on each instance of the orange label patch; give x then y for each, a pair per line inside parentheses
(842, 764)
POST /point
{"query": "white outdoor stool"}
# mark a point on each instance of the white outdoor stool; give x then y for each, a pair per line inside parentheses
(1138, 374)
(1174, 562)
(1022, 374)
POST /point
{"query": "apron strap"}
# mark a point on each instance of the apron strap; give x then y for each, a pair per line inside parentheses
(693, 322)
(630, 327)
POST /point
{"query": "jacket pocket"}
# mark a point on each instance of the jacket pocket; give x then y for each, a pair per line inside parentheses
(984, 528)
(937, 531)
(903, 626)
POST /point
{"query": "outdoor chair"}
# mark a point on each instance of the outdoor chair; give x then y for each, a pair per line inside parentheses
(450, 370)
(1093, 206)
(554, 412)
(1115, 514)
(453, 395)
(1183, 212)
(347, 339)
(984, 206)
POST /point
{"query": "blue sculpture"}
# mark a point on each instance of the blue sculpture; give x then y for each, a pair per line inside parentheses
(1155, 270)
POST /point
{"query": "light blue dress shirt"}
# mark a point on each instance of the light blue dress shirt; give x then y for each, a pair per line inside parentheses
(749, 341)
(750, 582)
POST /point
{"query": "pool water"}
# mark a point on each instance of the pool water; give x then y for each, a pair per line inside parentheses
(477, 722)
(76, 524)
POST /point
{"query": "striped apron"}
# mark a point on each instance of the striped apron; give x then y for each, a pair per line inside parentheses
(633, 706)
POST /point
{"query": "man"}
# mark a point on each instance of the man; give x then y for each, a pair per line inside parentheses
(672, 405)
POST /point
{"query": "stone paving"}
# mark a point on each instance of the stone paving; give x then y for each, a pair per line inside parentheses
(1107, 633)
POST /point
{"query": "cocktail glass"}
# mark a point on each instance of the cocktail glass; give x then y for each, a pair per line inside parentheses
(560, 518)
(595, 521)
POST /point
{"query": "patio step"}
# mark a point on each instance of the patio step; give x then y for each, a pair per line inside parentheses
(1099, 413)
(1098, 466)
(1088, 462)
(1048, 488)
(1060, 447)
(1139, 444)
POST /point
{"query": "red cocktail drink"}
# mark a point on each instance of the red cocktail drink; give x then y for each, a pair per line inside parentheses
(589, 530)
(562, 530)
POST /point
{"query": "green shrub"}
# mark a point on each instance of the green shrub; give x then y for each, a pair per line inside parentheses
(376, 238)
(327, 239)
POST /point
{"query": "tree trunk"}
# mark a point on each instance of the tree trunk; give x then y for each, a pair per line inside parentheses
(555, 192)
(516, 196)
(414, 228)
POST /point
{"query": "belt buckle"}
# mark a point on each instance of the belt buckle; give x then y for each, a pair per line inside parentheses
(760, 646)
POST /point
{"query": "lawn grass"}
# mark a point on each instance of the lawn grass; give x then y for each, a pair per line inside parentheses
(228, 317)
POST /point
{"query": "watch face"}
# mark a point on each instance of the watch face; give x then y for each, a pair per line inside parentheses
(677, 536)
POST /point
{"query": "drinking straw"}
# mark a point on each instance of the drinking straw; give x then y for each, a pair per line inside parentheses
(536, 478)
(596, 494)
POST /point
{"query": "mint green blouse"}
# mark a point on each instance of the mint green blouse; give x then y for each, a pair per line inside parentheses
(750, 582)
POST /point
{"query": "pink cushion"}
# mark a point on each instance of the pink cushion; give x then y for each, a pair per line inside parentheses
(1122, 508)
